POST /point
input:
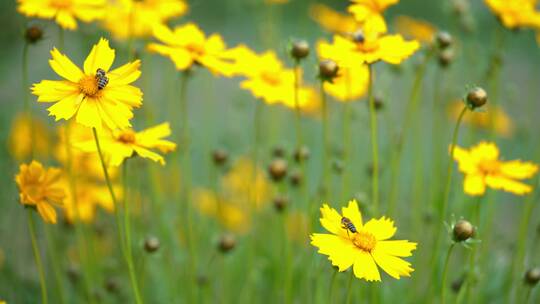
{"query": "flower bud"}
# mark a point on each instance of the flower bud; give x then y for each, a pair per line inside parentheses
(112, 285)
(278, 169)
(476, 98)
(328, 69)
(300, 49)
(278, 151)
(151, 244)
(280, 203)
(532, 276)
(301, 154)
(463, 230)
(33, 34)
(378, 102)
(296, 178)
(446, 57)
(227, 242)
(220, 157)
(337, 165)
(444, 39)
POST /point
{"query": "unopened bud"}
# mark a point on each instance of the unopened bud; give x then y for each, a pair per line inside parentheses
(33, 34)
(220, 157)
(446, 57)
(227, 242)
(301, 154)
(280, 203)
(300, 49)
(532, 276)
(463, 230)
(328, 70)
(151, 244)
(444, 39)
(476, 98)
(278, 169)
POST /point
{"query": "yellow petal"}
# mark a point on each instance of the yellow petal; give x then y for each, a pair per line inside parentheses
(101, 57)
(394, 266)
(119, 114)
(396, 248)
(125, 74)
(66, 20)
(64, 67)
(382, 228)
(47, 212)
(145, 153)
(341, 252)
(331, 220)
(518, 169)
(365, 267)
(474, 184)
(466, 163)
(507, 184)
(485, 151)
(394, 49)
(67, 107)
(88, 114)
(181, 58)
(126, 94)
(353, 213)
(54, 90)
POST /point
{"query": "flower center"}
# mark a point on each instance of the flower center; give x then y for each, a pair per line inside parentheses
(89, 85)
(34, 192)
(195, 48)
(60, 3)
(127, 136)
(364, 240)
(368, 46)
(489, 166)
(271, 77)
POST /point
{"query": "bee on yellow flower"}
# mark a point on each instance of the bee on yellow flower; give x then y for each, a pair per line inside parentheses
(118, 145)
(186, 45)
(64, 12)
(502, 123)
(138, 18)
(482, 168)
(369, 13)
(40, 187)
(515, 13)
(419, 30)
(365, 248)
(28, 135)
(333, 21)
(82, 95)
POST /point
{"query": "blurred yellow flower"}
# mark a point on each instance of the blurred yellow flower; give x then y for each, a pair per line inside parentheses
(186, 45)
(365, 248)
(482, 167)
(64, 12)
(89, 195)
(28, 133)
(515, 13)
(118, 145)
(132, 18)
(369, 13)
(82, 94)
(331, 20)
(353, 76)
(40, 187)
(502, 123)
(419, 30)
(233, 217)
(297, 223)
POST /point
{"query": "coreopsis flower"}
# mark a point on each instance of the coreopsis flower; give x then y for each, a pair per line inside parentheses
(482, 168)
(369, 13)
(138, 18)
(496, 115)
(118, 145)
(231, 215)
(419, 30)
(28, 135)
(89, 195)
(64, 12)
(94, 96)
(515, 13)
(186, 45)
(333, 21)
(362, 246)
(352, 80)
(40, 187)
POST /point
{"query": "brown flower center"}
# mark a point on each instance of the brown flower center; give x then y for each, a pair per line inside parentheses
(89, 86)
(127, 136)
(489, 166)
(364, 240)
(195, 48)
(60, 4)
(367, 46)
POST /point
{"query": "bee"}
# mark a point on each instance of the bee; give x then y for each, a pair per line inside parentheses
(348, 225)
(102, 79)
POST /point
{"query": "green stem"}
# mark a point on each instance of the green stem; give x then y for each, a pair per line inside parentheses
(349, 285)
(60, 39)
(26, 100)
(325, 174)
(37, 257)
(374, 144)
(472, 258)
(445, 272)
(332, 281)
(528, 295)
(125, 245)
(347, 111)
(298, 120)
(54, 258)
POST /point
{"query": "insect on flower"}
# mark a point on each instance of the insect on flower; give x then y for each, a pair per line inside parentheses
(348, 225)
(102, 79)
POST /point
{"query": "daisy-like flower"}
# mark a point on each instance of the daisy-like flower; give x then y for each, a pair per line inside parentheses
(140, 17)
(28, 135)
(121, 144)
(502, 122)
(369, 12)
(333, 21)
(419, 30)
(482, 168)
(515, 13)
(227, 213)
(364, 247)
(82, 93)
(187, 45)
(40, 187)
(64, 12)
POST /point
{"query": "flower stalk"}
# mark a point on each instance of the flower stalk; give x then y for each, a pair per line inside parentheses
(37, 256)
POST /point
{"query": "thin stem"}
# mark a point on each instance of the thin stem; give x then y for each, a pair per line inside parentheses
(126, 251)
(374, 144)
(472, 258)
(331, 291)
(528, 295)
(445, 271)
(60, 38)
(298, 120)
(324, 136)
(348, 298)
(37, 257)
(54, 258)
(26, 100)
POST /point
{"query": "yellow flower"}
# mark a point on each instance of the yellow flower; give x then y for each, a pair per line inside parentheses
(64, 12)
(89, 195)
(515, 13)
(502, 123)
(187, 45)
(333, 21)
(28, 133)
(369, 13)
(39, 187)
(353, 78)
(415, 29)
(366, 248)
(482, 167)
(297, 223)
(132, 18)
(80, 95)
(230, 215)
(121, 144)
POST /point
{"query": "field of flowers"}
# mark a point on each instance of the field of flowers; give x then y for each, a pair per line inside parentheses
(269, 151)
